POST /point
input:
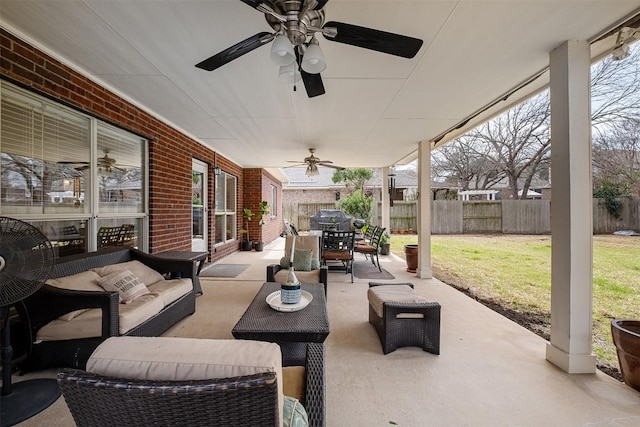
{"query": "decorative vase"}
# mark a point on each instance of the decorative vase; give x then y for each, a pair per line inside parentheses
(626, 337)
(411, 255)
(290, 291)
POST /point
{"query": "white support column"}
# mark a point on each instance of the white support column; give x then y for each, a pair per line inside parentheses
(386, 221)
(571, 210)
(424, 210)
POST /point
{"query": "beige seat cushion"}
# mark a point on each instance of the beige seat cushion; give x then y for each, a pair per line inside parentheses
(174, 359)
(378, 295)
(85, 281)
(147, 275)
(294, 382)
(170, 290)
(303, 242)
(89, 323)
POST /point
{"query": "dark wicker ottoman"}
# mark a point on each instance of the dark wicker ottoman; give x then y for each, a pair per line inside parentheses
(407, 319)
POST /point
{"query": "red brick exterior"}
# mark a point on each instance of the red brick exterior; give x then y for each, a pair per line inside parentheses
(170, 152)
(258, 183)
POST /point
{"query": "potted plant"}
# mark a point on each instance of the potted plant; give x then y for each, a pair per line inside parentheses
(246, 243)
(385, 245)
(264, 211)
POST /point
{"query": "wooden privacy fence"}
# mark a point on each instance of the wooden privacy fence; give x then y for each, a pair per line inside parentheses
(458, 217)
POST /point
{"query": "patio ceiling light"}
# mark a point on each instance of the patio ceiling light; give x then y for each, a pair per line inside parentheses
(312, 170)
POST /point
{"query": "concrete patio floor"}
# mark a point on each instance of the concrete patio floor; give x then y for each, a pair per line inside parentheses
(490, 372)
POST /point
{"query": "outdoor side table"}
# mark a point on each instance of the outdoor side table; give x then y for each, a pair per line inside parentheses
(195, 257)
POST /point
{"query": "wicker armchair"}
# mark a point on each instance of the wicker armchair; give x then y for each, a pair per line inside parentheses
(275, 272)
(251, 400)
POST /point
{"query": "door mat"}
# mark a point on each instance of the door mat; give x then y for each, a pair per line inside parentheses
(223, 270)
(366, 270)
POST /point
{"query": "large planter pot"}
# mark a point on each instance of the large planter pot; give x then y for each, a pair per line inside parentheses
(385, 249)
(626, 337)
(247, 245)
(411, 255)
(259, 246)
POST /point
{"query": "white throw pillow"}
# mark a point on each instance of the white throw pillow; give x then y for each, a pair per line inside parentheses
(147, 275)
(126, 284)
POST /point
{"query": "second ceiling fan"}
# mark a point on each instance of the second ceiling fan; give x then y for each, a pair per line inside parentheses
(312, 162)
(295, 48)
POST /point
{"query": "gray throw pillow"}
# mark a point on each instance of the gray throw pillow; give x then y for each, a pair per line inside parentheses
(294, 413)
(302, 259)
(284, 263)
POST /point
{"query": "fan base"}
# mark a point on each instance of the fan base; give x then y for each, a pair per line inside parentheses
(28, 398)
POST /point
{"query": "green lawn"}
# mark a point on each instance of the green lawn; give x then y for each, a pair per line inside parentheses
(515, 271)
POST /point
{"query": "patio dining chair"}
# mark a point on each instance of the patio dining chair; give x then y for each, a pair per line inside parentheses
(338, 246)
(371, 248)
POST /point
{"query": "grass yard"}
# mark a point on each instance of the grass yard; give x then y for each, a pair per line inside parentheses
(512, 274)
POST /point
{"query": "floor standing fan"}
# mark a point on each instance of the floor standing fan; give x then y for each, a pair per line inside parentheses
(26, 260)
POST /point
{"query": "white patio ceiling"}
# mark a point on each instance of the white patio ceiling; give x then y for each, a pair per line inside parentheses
(376, 108)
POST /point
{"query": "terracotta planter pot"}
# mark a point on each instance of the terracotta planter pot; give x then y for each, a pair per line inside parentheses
(626, 337)
(411, 255)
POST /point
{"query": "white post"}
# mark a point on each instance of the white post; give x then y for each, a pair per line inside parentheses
(571, 210)
(424, 210)
(384, 199)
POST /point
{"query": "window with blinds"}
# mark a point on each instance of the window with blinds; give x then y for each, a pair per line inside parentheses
(120, 171)
(62, 169)
(45, 156)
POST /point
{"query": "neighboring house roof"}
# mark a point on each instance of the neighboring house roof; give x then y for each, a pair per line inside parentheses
(297, 179)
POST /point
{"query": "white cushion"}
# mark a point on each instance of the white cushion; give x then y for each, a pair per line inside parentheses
(303, 242)
(378, 295)
(128, 286)
(175, 359)
(85, 281)
(170, 290)
(147, 275)
(89, 323)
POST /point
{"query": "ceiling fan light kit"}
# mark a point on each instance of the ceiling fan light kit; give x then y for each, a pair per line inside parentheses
(282, 51)
(312, 170)
(295, 23)
(313, 59)
(289, 73)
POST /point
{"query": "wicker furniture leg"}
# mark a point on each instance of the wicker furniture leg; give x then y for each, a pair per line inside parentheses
(399, 329)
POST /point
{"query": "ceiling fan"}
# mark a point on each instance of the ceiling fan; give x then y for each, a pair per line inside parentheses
(106, 164)
(312, 162)
(295, 48)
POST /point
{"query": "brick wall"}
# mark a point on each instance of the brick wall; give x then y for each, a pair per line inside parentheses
(258, 183)
(170, 152)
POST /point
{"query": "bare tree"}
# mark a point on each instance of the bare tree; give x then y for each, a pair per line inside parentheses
(616, 158)
(465, 164)
(517, 144)
(615, 92)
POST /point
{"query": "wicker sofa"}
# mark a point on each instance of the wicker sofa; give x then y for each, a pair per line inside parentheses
(137, 381)
(50, 304)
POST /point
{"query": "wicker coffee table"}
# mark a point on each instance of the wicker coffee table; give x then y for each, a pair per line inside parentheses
(292, 330)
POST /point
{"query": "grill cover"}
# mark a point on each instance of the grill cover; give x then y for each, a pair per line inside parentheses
(323, 220)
